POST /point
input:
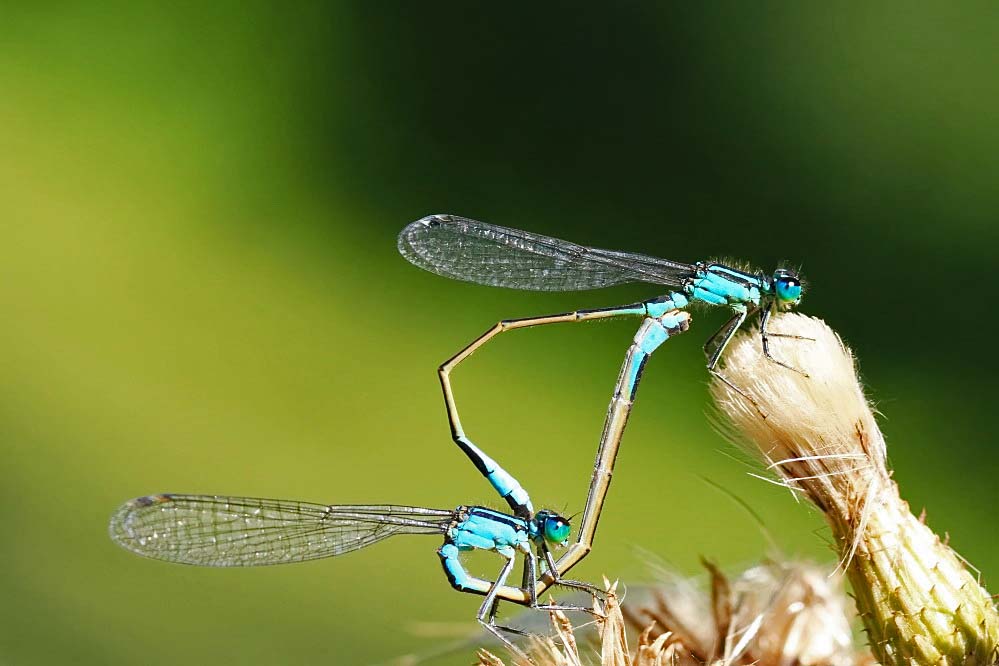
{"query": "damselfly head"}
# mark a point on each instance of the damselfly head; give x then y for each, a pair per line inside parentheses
(553, 527)
(787, 288)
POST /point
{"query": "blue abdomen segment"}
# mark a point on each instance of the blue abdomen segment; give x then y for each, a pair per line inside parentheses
(504, 483)
(657, 307)
(460, 579)
(651, 334)
(721, 285)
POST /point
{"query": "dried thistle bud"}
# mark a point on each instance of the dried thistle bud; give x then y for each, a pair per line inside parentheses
(774, 614)
(818, 436)
(803, 614)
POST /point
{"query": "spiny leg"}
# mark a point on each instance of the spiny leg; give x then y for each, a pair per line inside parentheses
(566, 582)
(487, 611)
(531, 564)
(766, 335)
(716, 344)
(529, 585)
(715, 347)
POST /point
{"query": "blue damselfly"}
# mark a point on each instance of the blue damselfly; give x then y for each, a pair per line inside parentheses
(472, 251)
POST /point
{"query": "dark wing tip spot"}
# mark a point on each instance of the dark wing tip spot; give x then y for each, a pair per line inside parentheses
(436, 220)
(149, 500)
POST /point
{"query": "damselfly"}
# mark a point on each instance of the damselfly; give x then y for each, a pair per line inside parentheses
(218, 531)
(472, 251)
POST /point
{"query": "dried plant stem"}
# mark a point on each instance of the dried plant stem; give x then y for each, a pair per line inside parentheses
(817, 433)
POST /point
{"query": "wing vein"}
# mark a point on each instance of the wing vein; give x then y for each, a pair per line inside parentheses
(464, 249)
(244, 531)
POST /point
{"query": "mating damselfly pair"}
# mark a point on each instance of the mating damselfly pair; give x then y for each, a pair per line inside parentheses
(233, 531)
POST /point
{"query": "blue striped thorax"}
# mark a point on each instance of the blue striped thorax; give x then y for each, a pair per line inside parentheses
(479, 528)
(717, 284)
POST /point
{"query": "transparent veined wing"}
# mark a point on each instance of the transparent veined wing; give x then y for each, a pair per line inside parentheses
(464, 249)
(245, 531)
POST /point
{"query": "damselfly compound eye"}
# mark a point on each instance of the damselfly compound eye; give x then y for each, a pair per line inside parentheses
(787, 287)
(556, 529)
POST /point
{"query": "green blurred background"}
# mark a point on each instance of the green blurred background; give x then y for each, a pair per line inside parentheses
(201, 290)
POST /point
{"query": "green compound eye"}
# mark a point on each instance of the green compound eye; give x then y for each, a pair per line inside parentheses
(556, 529)
(789, 290)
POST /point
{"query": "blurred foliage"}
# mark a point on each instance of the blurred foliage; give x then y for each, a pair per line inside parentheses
(202, 294)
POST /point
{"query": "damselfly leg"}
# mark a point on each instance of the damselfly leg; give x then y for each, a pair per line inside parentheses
(716, 344)
(487, 611)
(715, 347)
(765, 336)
